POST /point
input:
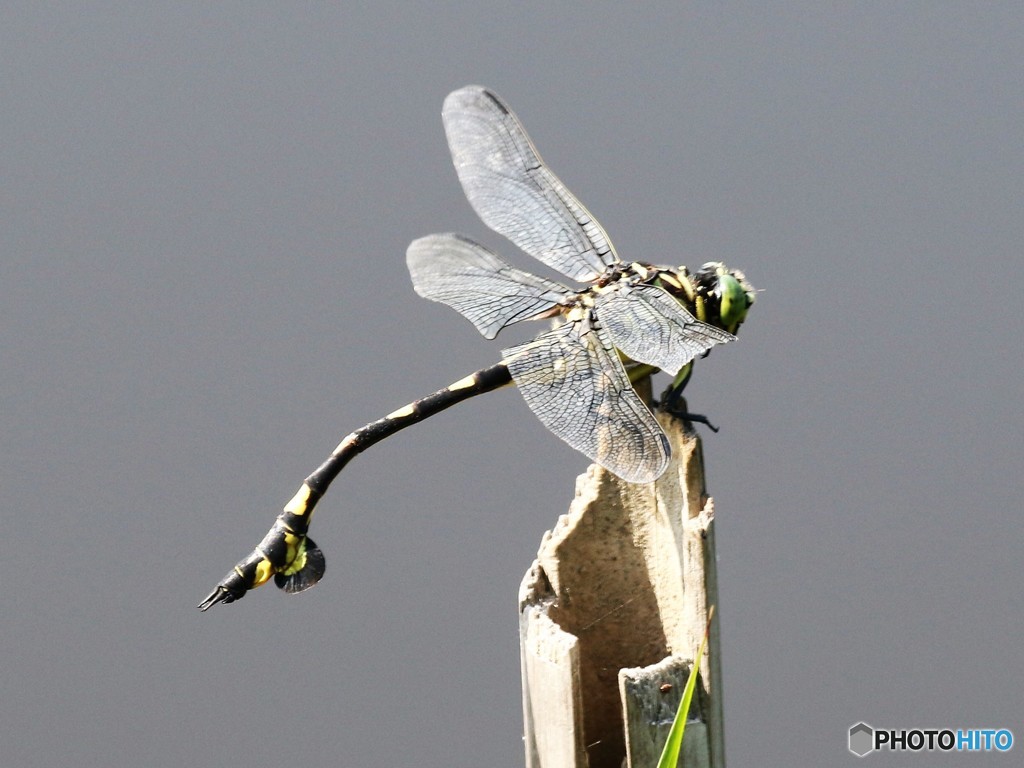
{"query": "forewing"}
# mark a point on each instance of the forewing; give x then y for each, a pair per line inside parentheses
(572, 379)
(473, 281)
(650, 326)
(514, 193)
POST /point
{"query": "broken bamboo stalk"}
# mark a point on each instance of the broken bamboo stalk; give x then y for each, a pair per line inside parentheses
(612, 612)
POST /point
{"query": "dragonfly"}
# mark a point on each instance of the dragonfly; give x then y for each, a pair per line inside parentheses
(629, 320)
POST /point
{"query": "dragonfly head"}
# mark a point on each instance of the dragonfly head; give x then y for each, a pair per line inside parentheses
(723, 295)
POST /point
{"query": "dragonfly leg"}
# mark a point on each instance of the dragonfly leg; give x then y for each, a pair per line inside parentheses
(672, 401)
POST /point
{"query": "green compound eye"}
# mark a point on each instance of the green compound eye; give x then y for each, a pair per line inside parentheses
(735, 302)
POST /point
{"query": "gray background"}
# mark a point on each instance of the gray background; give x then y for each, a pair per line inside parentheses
(205, 209)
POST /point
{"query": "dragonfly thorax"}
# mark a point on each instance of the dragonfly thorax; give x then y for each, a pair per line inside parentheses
(713, 294)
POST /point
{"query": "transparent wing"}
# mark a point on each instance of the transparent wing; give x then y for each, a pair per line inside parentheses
(473, 281)
(572, 379)
(651, 327)
(514, 193)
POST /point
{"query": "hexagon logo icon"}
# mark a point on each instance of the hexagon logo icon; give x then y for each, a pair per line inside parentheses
(862, 737)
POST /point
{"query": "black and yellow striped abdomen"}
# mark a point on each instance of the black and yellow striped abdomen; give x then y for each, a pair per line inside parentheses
(286, 552)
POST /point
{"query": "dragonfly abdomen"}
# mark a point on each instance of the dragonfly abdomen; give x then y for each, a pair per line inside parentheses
(286, 552)
(485, 380)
